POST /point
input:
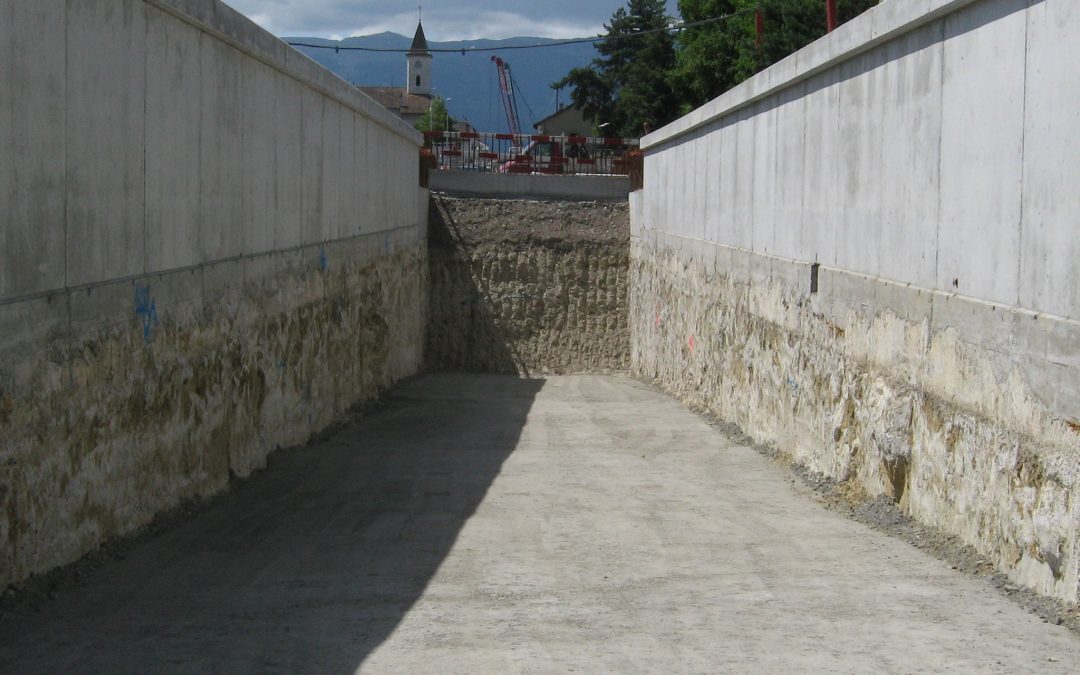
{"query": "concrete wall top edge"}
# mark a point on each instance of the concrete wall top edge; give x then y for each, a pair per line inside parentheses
(530, 186)
(885, 22)
(225, 23)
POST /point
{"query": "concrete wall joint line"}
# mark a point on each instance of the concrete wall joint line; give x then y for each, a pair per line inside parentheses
(200, 223)
(1023, 165)
(67, 248)
(940, 152)
(145, 137)
(300, 197)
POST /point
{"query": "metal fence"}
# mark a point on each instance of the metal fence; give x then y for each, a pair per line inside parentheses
(522, 153)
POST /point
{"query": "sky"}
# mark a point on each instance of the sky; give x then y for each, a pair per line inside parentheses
(443, 19)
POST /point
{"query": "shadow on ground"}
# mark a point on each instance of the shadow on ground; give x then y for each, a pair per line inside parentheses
(308, 566)
(464, 332)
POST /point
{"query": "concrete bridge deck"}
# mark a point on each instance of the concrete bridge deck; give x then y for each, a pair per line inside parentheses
(489, 524)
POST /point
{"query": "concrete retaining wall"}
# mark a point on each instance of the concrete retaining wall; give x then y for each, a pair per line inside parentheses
(210, 247)
(864, 256)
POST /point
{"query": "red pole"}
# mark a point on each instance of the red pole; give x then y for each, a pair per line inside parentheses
(830, 15)
(759, 26)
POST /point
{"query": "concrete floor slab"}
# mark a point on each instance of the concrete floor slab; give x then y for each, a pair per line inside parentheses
(481, 523)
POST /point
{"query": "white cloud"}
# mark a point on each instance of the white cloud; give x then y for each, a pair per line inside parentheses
(474, 26)
(444, 20)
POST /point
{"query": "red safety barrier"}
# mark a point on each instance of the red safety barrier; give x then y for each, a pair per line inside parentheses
(537, 153)
(636, 170)
(428, 163)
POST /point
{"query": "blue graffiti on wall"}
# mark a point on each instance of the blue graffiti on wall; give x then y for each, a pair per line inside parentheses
(324, 260)
(146, 309)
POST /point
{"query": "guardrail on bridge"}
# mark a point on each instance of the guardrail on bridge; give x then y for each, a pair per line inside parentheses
(524, 153)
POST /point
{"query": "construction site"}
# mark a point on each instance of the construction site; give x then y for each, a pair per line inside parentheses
(790, 384)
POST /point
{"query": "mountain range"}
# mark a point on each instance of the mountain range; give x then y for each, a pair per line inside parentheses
(468, 80)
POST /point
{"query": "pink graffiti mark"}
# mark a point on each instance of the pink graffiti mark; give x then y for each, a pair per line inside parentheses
(657, 320)
(691, 343)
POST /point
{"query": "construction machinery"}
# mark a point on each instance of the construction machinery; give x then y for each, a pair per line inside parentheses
(506, 90)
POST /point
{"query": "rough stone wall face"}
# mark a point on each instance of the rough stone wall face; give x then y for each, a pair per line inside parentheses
(528, 287)
(136, 396)
(866, 400)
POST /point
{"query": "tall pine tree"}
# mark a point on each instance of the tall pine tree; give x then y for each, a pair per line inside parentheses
(708, 57)
(717, 56)
(628, 86)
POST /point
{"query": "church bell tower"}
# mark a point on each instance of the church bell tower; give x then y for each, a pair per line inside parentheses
(419, 64)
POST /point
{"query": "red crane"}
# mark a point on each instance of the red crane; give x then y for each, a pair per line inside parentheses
(506, 88)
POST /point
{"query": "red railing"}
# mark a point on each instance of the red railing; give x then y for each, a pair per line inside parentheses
(522, 153)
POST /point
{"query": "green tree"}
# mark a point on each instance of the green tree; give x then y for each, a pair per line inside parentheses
(436, 118)
(628, 85)
(715, 57)
(707, 60)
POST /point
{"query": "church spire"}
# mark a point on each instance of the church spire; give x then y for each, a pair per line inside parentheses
(419, 64)
(419, 42)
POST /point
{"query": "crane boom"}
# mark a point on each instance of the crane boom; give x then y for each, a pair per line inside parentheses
(506, 89)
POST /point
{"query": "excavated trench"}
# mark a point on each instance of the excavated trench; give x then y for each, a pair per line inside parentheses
(537, 288)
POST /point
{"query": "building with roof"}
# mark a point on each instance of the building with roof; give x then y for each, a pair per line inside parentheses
(567, 121)
(414, 99)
